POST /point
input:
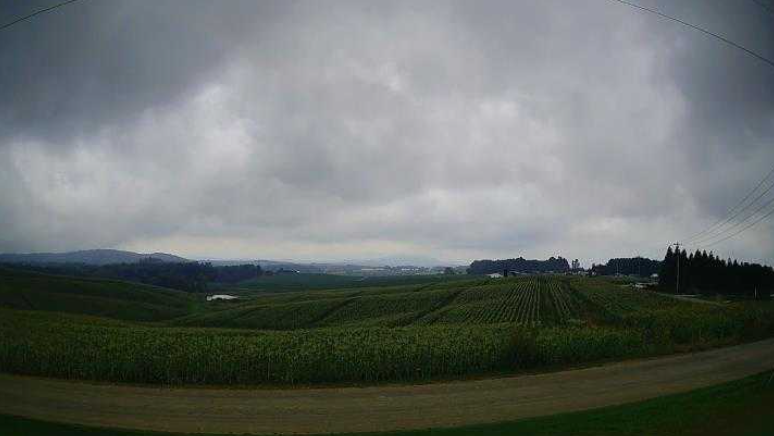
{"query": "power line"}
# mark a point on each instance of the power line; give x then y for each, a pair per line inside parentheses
(735, 225)
(731, 214)
(705, 31)
(722, 223)
(677, 246)
(765, 205)
(752, 224)
(719, 231)
(27, 17)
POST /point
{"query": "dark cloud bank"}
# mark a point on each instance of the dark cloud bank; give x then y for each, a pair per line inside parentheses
(344, 130)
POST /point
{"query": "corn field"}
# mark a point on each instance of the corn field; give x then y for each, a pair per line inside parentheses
(532, 301)
(402, 333)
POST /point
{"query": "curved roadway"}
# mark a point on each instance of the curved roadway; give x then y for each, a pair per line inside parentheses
(380, 408)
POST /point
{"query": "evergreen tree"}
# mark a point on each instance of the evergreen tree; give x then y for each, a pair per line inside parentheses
(705, 273)
(666, 277)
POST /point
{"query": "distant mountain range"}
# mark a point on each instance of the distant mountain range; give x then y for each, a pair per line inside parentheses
(89, 257)
(109, 256)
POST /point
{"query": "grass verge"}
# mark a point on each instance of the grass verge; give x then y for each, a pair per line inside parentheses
(739, 408)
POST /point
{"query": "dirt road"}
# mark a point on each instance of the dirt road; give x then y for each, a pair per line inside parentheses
(376, 408)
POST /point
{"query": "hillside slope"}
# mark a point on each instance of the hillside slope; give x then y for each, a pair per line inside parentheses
(100, 297)
(530, 301)
(367, 335)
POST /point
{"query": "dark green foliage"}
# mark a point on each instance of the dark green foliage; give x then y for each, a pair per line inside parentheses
(108, 298)
(184, 276)
(236, 273)
(705, 273)
(630, 266)
(521, 265)
(704, 325)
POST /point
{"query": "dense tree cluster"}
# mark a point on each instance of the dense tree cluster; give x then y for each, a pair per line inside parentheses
(635, 266)
(187, 276)
(708, 274)
(237, 273)
(520, 265)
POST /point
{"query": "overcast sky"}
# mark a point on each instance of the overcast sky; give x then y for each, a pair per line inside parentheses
(353, 130)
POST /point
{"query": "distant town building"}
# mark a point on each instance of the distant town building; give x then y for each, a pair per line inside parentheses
(495, 276)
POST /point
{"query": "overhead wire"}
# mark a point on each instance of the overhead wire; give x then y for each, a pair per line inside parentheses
(733, 213)
(700, 29)
(729, 220)
(715, 229)
(727, 234)
(749, 226)
(40, 11)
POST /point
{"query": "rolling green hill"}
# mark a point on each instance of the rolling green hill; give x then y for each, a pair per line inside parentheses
(99, 297)
(306, 282)
(532, 301)
(364, 334)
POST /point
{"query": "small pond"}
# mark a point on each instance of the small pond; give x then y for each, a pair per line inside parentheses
(221, 297)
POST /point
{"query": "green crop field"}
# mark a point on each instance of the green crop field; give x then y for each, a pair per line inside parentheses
(534, 301)
(405, 332)
(306, 282)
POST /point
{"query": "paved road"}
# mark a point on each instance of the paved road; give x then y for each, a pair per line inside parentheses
(376, 408)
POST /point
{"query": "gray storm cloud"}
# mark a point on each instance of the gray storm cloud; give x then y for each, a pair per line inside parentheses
(343, 130)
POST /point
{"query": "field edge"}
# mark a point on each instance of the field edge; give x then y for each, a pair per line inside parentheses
(655, 412)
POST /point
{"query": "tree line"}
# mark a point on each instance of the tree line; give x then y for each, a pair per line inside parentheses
(704, 273)
(520, 265)
(630, 266)
(184, 276)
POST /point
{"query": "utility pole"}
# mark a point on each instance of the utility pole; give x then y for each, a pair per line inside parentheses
(677, 282)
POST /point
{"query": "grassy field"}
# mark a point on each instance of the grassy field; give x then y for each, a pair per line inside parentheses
(740, 408)
(408, 332)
